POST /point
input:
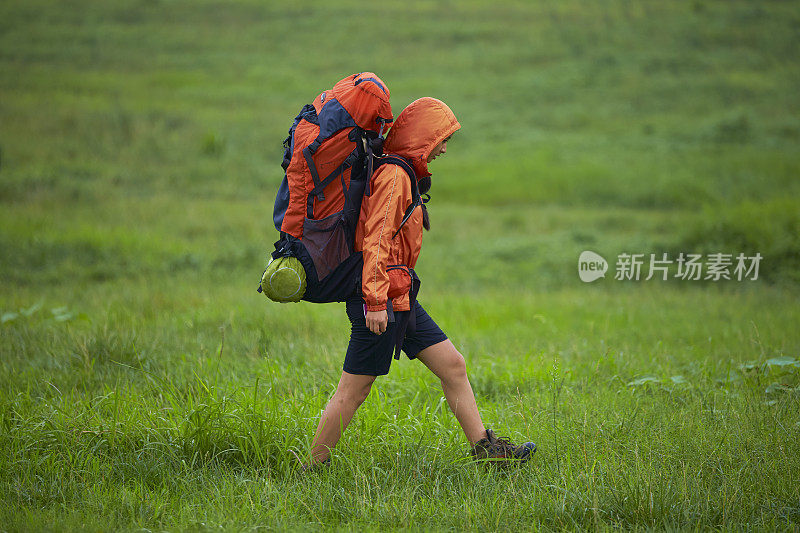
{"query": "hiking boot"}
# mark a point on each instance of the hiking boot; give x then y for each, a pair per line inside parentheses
(494, 448)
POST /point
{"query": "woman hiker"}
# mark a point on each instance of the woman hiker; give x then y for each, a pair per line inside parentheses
(389, 285)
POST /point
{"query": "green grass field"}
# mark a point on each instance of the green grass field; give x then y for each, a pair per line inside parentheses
(145, 385)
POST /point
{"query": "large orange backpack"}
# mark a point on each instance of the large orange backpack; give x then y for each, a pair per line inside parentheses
(328, 160)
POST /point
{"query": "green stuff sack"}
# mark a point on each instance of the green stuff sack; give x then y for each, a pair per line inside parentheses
(284, 280)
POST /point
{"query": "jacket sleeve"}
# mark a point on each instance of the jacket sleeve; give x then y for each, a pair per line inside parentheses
(391, 194)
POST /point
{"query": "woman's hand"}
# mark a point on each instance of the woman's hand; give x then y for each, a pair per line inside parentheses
(377, 321)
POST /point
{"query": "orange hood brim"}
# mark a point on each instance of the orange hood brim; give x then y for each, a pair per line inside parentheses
(419, 128)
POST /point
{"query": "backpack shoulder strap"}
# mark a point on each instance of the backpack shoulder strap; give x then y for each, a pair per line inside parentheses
(416, 199)
(401, 162)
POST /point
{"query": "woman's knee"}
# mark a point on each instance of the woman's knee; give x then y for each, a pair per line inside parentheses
(355, 389)
(362, 392)
(454, 368)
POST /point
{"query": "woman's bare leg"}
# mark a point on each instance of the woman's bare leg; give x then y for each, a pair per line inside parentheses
(448, 364)
(350, 394)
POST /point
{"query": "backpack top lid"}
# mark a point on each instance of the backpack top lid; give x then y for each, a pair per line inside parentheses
(365, 97)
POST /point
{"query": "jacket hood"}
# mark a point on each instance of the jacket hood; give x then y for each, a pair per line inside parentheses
(419, 128)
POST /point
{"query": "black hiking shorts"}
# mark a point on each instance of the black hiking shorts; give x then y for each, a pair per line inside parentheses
(371, 355)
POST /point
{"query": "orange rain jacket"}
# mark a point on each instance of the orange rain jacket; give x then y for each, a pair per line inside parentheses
(419, 128)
